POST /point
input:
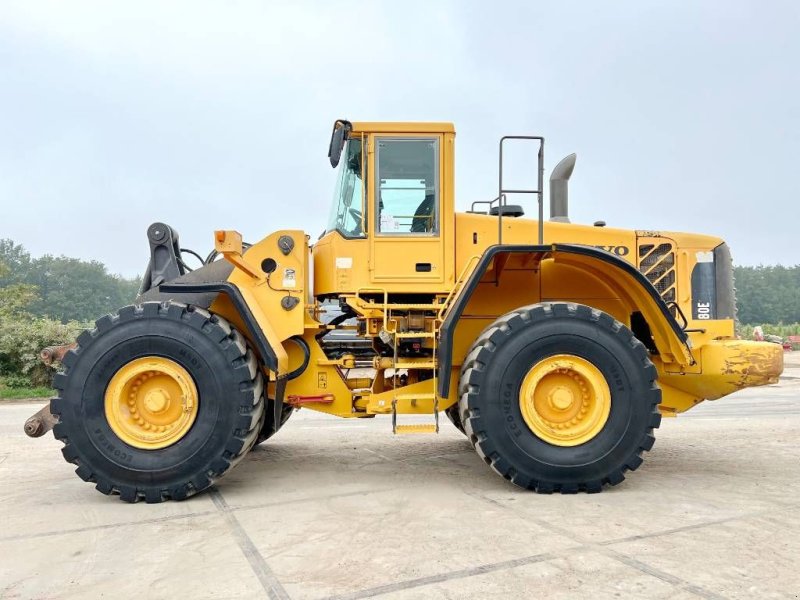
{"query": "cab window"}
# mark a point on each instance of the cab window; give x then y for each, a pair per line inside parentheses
(346, 211)
(407, 185)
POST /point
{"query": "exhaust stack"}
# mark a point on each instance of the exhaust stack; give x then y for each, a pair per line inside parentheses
(559, 189)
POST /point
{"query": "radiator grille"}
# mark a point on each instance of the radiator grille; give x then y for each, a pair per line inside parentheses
(657, 263)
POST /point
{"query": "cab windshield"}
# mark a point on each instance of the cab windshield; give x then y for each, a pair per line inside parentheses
(348, 198)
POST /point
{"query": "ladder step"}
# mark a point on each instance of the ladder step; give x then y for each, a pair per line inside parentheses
(406, 429)
(392, 306)
(410, 397)
(414, 334)
(415, 365)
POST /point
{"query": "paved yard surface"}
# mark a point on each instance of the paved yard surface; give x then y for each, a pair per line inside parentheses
(334, 509)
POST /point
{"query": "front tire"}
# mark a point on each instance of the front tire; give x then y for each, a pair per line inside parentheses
(268, 429)
(516, 427)
(103, 389)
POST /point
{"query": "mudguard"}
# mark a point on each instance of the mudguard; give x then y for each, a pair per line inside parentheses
(627, 281)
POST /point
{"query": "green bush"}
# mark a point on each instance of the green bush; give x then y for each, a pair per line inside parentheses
(16, 381)
(21, 340)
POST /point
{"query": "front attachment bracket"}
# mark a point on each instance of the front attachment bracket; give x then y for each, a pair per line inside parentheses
(165, 264)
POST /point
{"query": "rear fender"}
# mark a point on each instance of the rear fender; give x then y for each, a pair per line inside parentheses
(622, 278)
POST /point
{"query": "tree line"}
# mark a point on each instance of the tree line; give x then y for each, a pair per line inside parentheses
(62, 288)
(768, 294)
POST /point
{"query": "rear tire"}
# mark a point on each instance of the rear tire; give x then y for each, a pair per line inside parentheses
(230, 407)
(490, 402)
(454, 417)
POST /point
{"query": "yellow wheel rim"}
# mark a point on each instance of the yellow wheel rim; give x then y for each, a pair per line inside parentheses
(151, 403)
(565, 400)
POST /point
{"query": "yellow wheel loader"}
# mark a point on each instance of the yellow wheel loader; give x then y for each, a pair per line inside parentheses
(556, 348)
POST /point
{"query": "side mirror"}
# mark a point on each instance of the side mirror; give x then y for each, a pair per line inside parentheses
(341, 131)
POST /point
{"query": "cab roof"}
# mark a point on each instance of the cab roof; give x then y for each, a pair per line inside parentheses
(401, 127)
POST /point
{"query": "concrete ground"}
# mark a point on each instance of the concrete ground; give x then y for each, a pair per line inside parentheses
(334, 509)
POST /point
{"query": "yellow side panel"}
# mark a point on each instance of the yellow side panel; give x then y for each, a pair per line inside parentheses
(289, 280)
(476, 232)
(340, 265)
(394, 260)
(321, 380)
(568, 283)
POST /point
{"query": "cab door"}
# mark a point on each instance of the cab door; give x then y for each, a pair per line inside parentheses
(406, 244)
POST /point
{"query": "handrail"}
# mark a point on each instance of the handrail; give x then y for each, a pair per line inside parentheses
(501, 192)
(456, 285)
(383, 291)
(489, 202)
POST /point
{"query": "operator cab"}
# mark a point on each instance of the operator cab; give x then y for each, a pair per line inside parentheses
(392, 209)
(407, 197)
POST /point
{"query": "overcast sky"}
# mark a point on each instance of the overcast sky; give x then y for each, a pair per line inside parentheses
(684, 115)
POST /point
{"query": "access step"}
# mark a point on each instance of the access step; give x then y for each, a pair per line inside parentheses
(414, 334)
(412, 397)
(411, 429)
(426, 364)
(393, 306)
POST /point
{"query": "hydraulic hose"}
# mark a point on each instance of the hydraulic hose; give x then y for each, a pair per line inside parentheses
(306, 357)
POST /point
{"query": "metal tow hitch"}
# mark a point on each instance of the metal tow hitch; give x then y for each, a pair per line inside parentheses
(43, 421)
(40, 423)
(53, 354)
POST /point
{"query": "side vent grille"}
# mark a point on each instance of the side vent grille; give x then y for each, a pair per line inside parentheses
(657, 263)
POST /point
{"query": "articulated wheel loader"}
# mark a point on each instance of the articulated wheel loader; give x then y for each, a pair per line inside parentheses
(556, 348)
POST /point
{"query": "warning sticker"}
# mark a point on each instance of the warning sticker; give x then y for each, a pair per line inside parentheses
(289, 279)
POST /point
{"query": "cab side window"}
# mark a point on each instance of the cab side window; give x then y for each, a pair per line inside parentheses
(407, 186)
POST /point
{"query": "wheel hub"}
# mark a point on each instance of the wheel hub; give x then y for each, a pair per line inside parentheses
(157, 401)
(151, 402)
(561, 398)
(565, 400)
